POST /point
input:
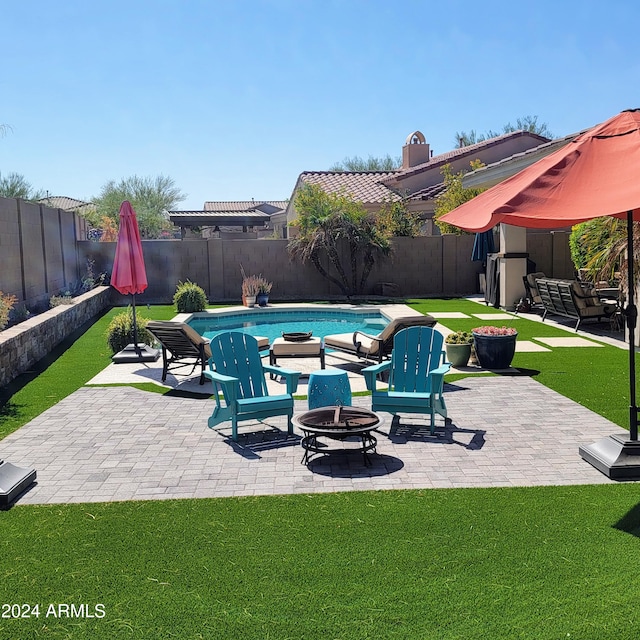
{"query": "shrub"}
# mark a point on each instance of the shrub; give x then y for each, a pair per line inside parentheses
(65, 298)
(250, 286)
(120, 331)
(189, 297)
(19, 314)
(6, 304)
(459, 337)
(264, 286)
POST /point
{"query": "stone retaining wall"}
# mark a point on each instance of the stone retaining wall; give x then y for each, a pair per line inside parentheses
(22, 345)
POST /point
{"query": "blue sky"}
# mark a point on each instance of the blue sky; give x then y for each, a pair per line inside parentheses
(233, 99)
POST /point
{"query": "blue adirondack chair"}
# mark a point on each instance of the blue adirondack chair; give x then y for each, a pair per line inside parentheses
(237, 371)
(416, 375)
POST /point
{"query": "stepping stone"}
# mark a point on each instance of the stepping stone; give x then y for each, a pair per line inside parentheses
(448, 314)
(495, 316)
(568, 342)
(527, 346)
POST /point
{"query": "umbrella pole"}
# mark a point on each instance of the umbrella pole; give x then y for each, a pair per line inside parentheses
(135, 327)
(631, 314)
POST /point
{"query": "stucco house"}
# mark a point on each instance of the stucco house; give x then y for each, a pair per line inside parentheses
(419, 180)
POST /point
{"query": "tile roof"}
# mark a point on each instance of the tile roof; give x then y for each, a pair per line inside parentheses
(231, 218)
(462, 152)
(365, 186)
(243, 205)
(65, 203)
(429, 192)
(548, 147)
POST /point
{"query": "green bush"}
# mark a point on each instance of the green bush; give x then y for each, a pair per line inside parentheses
(189, 297)
(6, 304)
(65, 298)
(120, 331)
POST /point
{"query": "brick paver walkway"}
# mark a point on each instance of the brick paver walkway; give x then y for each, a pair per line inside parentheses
(118, 443)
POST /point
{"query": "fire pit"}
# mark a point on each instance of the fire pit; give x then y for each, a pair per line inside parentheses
(346, 424)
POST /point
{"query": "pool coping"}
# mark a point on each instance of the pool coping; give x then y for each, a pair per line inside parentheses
(390, 311)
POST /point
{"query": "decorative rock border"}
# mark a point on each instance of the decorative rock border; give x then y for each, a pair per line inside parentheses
(24, 344)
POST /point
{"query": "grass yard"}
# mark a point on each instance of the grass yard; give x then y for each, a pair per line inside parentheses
(546, 562)
(539, 562)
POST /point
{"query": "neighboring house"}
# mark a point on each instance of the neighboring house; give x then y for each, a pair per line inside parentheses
(514, 241)
(68, 204)
(419, 180)
(239, 219)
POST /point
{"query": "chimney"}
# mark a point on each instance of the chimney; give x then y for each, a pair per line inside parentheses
(415, 150)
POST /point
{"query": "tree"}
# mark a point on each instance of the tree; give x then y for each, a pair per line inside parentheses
(395, 219)
(15, 185)
(454, 195)
(526, 123)
(326, 220)
(386, 163)
(600, 246)
(150, 197)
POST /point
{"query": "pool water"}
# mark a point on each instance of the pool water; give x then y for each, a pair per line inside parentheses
(322, 322)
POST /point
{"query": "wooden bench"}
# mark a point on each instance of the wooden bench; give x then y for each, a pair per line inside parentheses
(570, 299)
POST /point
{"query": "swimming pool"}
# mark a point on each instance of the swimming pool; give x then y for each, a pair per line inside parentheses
(272, 323)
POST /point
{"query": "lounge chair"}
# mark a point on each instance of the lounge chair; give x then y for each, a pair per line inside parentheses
(378, 347)
(182, 346)
(416, 375)
(238, 373)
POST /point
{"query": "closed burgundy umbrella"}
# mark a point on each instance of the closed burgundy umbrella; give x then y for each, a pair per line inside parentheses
(595, 175)
(129, 276)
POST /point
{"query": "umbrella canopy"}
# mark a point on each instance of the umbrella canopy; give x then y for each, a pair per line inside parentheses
(483, 244)
(595, 175)
(129, 274)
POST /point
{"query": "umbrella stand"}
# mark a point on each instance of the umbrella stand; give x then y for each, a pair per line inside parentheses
(618, 456)
(136, 352)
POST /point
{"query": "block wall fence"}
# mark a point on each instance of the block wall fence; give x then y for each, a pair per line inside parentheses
(427, 266)
(43, 252)
(38, 251)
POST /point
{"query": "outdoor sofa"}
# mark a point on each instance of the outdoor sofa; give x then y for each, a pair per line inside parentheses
(572, 299)
(376, 347)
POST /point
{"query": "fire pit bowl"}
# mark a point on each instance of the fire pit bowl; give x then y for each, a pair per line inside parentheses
(337, 423)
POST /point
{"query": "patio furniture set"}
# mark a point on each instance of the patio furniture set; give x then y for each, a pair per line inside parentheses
(413, 374)
(573, 299)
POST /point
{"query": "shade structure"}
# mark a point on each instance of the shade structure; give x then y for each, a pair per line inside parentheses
(595, 175)
(129, 276)
(483, 245)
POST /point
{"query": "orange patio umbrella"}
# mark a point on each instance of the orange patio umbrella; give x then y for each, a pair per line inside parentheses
(595, 175)
(129, 276)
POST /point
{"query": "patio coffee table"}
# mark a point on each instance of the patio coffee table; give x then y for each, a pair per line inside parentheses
(345, 424)
(281, 348)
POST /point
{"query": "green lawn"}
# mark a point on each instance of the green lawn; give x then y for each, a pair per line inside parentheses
(545, 562)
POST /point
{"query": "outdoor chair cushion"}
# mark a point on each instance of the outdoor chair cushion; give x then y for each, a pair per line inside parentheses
(379, 346)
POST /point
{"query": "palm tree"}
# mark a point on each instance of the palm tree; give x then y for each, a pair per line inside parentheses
(327, 220)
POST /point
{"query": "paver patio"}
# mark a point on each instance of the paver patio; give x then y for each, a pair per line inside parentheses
(120, 443)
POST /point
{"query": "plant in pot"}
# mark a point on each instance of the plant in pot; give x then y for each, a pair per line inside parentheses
(458, 347)
(264, 288)
(495, 346)
(249, 290)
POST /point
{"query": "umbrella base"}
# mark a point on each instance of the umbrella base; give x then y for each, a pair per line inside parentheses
(616, 456)
(13, 481)
(144, 353)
